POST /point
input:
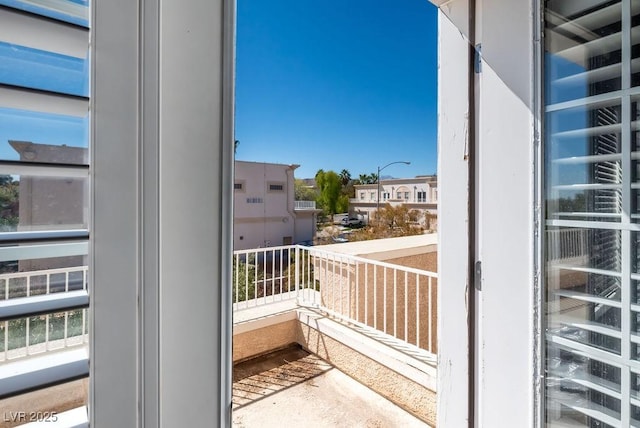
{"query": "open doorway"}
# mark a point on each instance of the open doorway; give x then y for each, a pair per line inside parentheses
(335, 141)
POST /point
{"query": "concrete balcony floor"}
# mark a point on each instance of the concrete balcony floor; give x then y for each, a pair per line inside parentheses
(291, 387)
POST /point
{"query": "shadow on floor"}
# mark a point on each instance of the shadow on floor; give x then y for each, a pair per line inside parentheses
(261, 377)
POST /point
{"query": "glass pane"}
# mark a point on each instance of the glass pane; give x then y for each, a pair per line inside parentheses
(36, 277)
(584, 169)
(73, 11)
(570, 204)
(587, 130)
(587, 323)
(574, 282)
(587, 264)
(43, 137)
(42, 203)
(37, 69)
(575, 248)
(569, 377)
(583, 49)
(24, 337)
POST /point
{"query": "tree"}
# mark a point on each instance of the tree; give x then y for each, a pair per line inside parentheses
(329, 186)
(367, 178)
(349, 190)
(9, 201)
(303, 192)
(345, 177)
(247, 277)
(342, 205)
(390, 222)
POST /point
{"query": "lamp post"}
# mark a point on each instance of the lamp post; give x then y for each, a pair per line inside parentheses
(378, 180)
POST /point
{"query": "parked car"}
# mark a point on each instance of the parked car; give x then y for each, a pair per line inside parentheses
(351, 221)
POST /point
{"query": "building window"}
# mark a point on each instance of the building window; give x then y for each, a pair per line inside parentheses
(237, 186)
(385, 196)
(422, 196)
(373, 196)
(254, 200)
(276, 187)
(406, 196)
(399, 195)
(362, 196)
(592, 219)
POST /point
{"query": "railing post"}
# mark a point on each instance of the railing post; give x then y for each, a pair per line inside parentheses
(297, 272)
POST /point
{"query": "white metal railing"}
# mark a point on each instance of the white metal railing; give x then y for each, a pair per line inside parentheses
(263, 275)
(392, 299)
(396, 300)
(42, 333)
(305, 205)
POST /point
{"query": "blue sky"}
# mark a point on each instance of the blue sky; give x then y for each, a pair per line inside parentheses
(338, 84)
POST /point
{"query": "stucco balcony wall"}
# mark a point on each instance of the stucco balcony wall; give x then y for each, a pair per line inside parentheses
(381, 365)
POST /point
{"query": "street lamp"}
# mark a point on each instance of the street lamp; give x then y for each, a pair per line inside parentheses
(378, 180)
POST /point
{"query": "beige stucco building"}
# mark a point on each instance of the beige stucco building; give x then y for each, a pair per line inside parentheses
(419, 193)
(51, 203)
(265, 212)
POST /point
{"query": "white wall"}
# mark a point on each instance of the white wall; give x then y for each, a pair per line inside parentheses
(305, 227)
(267, 232)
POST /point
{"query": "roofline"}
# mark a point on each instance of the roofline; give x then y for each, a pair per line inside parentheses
(291, 166)
(400, 180)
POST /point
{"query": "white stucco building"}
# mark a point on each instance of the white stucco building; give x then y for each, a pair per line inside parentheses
(419, 193)
(265, 212)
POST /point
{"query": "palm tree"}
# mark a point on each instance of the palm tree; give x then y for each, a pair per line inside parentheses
(345, 177)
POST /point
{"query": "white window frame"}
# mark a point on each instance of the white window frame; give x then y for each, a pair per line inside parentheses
(138, 79)
(478, 89)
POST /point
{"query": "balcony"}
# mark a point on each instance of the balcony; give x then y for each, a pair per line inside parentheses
(364, 308)
(304, 205)
(365, 311)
